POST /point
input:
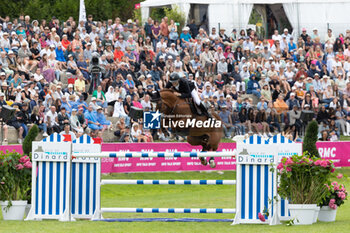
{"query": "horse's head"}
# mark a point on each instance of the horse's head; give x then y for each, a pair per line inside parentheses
(165, 99)
(155, 96)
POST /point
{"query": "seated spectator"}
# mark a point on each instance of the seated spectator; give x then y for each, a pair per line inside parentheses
(90, 116)
(253, 86)
(100, 98)
(262, 104)
(324, 136)
(83, 67)
(101, 118)
(281, 106)
(111, 96)
(292, 101)
(136, 133)
(79, 85)
(75, 123)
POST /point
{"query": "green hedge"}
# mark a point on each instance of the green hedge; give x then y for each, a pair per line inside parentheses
(62, 9)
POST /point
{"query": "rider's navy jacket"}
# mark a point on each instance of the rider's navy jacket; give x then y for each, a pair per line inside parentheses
(185, 87)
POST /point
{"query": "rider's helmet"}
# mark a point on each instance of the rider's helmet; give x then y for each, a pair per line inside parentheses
(174, 77)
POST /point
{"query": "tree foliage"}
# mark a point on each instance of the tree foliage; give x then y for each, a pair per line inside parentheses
(310, 139)
(176, 14)
(62, 9)
(27, 143)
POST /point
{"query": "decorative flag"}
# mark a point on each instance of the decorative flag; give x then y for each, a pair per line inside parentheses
(97, 140)
(67, 137)
(82, 12)
(138, 6)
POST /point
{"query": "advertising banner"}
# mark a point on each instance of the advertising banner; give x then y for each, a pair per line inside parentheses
(336, 151)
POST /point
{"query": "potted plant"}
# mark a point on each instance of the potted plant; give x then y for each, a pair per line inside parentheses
(336, 196)
(15, 177)
(302, 182)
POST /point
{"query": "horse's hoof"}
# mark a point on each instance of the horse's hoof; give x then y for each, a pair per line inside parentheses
(212, 163)
(203, 161)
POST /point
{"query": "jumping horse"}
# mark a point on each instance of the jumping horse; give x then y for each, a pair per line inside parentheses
(175, 110)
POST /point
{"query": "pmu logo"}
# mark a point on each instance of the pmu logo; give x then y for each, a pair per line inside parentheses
(151, 120)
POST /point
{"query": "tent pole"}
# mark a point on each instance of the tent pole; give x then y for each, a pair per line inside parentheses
(298, 9)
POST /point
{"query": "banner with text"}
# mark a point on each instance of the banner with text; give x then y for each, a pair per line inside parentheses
(336, 151)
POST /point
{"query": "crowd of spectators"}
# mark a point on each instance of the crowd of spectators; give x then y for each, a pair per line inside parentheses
(258, 85)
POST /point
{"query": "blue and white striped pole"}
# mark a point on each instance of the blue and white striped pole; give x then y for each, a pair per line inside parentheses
(169, 182)
(169, 210)
(156, 154)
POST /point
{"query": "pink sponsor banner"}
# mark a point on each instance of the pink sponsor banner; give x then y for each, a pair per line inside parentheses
(111, 165)
(338, 152)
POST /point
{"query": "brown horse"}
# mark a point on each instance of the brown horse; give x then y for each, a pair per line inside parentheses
(176, 110)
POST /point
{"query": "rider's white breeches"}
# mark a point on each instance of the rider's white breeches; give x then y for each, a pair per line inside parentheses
(195, 97)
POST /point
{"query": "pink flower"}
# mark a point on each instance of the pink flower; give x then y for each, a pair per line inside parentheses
(341, 195)
(261, 217)
(19, 166)
(280, 166)
(336, 187)
(340, 176)
(324, 163)
(289, 169)
(2, 182)
(333, 206)
(334, 183)
(332, 201)
(28, 164)
(24, 159)
(289, 161)
(332, 170)
(327, 186)
(318, 162)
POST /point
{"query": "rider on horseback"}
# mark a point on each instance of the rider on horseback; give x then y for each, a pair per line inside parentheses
(186, 89)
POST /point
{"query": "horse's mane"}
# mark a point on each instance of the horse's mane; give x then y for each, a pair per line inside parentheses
(168, 97)
(167, 90)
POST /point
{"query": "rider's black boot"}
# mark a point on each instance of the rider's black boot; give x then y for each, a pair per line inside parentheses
(204, 111)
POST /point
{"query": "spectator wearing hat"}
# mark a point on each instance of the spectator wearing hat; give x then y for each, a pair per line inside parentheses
(185, 38)
(90, 116)
(292, 101)
(101, 119)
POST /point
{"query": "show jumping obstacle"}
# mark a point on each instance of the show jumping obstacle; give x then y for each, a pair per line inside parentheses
(66, 179)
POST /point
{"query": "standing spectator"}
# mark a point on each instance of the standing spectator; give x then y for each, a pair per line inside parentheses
(38, 117)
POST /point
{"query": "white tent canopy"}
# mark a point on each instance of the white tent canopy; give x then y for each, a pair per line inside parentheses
(309, 14)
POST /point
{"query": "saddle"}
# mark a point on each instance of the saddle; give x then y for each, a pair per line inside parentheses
(194, 107)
